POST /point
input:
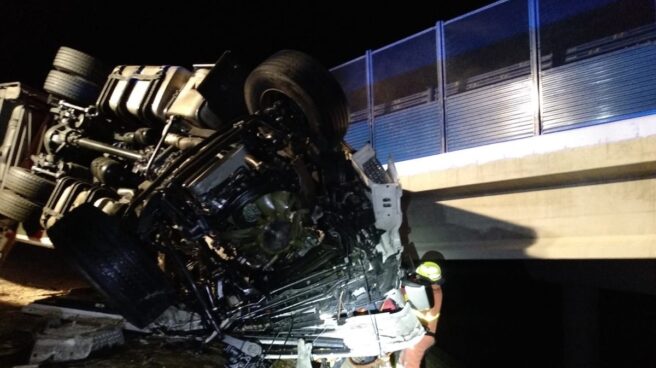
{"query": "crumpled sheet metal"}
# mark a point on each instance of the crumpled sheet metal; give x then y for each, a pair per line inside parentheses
(75, 340)
(396, 331)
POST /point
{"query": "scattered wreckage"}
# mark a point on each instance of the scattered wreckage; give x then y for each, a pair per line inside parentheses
(224, 195)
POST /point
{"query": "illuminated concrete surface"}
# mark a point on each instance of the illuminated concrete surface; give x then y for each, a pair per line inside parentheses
(579, 194)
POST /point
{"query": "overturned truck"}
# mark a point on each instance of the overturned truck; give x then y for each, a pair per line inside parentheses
(229, 194)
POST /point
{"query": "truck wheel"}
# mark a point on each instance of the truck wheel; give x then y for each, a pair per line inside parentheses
(28, 184)
(81, 64)
(308, 84)
(16, 207)
(71, 87)
(114, 262)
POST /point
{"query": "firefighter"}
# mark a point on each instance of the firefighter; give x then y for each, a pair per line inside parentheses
(424, 290)
(7, 237)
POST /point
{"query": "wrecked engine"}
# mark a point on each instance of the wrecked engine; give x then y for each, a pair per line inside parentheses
(230, 195)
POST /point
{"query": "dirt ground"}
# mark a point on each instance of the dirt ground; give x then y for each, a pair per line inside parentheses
(33, 273)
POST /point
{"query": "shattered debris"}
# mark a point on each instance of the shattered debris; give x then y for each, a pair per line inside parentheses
(76, 339)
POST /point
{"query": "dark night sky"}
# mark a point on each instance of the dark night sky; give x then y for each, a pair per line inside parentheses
(198, 31)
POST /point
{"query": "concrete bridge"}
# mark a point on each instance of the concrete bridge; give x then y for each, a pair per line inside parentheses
(588, 193)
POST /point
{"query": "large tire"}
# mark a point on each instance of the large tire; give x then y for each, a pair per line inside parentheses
(81, 64)
(29, 185)
(114, 262)
(70, 87)
(306, 82)
(16, 207)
